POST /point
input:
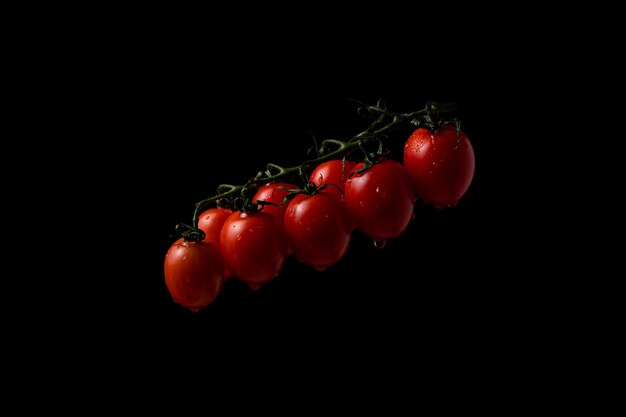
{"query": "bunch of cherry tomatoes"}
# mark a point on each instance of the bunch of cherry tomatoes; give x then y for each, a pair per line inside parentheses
(316, 224)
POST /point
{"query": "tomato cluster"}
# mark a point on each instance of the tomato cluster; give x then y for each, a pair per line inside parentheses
(316, 226)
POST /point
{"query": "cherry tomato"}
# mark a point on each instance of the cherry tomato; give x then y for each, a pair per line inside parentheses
(381, 199)
(317, 229)
(211, 222)
(193, 273)
(441, 168)
(332, 172)
(273, 194)
(252, 247)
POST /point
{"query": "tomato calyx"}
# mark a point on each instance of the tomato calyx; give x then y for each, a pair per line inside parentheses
(245, 203)
(312, 189)
(309, 189)
(371, 158)
(433, 120)
(224, 203)
(189, 233)
(451, 122)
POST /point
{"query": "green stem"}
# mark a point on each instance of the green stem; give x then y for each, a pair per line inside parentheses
(372, 133)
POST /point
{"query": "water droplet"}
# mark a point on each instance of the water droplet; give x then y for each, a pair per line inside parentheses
(254, 286)
(412, 216)
(377, 189)
(452, 205)
(238, 237)
(380, 244)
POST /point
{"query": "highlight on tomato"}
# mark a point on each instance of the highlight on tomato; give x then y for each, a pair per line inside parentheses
(335, 173)
(317, 229)
(380, 199)
(194, 272)
(275, 194)
(441, 165)
(253, 247)
(211, 222)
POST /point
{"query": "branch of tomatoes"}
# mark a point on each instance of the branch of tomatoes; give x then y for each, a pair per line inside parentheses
(376, 196)
(385, 121)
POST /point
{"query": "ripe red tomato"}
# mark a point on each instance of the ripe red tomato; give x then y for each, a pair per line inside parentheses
(253, 247)
(193, 273)
(330, 172)
(334, 172)
(273, 194)
(381, 199)
(441, 169)
(317, 229)
(211, 222)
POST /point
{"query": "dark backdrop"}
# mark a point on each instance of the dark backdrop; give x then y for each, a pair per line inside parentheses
(144, 118)
(184, 121)
(194, 138)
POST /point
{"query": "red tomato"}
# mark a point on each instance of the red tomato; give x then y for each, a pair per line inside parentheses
(273, 194)
(252, 247)
(381, 199)
(193, 273)
(440, 168)
(211, 222)
(334, 172)
(330, 172)
(317, 229)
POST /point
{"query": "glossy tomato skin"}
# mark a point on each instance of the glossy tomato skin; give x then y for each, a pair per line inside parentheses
(274, 194)
(193, 273)
(441, 169)
(332, 172)
(317, 229)
(381, 199)
(252, 247)
(211, 222)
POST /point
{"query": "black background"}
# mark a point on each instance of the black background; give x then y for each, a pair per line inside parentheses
(177, 119)
(438, 274)
(141, 116)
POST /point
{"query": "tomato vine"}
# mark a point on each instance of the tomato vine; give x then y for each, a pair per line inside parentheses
(385, 121)
(375, 195)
